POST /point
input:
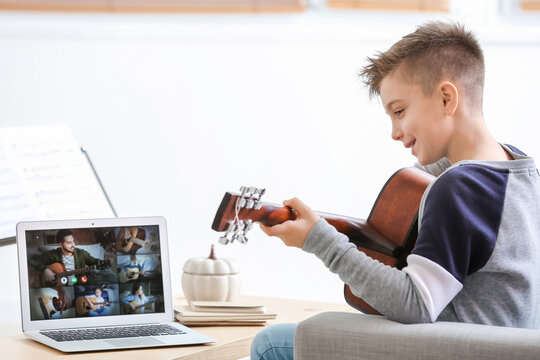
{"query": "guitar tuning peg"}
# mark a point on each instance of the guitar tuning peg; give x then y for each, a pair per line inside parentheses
(240, 226)
(242, 203)
(250, 204)
(223, 240)
(241, 238)
(249, 225)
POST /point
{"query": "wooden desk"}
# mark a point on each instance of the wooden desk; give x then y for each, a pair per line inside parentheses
(233, 342)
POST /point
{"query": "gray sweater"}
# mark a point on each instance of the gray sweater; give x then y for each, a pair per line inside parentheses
(475, 256)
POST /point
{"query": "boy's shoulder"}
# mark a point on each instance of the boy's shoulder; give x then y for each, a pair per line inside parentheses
(473, 186)
(469, 181)
(471, 173)
(480, 175)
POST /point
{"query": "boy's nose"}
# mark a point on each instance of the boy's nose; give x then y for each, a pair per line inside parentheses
(397, 133)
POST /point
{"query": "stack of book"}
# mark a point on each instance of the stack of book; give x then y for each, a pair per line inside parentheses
(199, 313)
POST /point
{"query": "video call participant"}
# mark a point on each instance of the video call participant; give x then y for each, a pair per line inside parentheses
(98, 301)
(59, 304)
(67, 254)
(132, 302)
(134, 266)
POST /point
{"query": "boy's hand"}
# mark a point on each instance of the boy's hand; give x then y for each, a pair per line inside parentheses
(294, 232)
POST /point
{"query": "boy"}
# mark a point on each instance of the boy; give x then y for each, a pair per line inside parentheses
(479, 222)
(102, 306)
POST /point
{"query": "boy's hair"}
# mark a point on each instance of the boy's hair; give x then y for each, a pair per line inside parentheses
(135, 287)
(435, 51)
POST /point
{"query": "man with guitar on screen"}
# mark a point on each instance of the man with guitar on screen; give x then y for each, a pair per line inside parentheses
(478, 244)
(67, 258)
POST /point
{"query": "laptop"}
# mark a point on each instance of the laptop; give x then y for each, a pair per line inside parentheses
(99, 284)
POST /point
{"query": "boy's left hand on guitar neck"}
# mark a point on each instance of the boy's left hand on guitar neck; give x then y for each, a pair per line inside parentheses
(294, 232)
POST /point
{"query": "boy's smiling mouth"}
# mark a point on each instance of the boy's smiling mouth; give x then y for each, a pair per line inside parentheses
(410, 145)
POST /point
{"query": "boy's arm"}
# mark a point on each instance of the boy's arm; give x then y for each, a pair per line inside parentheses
(388, 290)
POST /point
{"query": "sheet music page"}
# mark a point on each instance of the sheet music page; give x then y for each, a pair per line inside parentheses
(44, 175)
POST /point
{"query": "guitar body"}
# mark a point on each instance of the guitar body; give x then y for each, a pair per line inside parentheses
(56, 268)
(135, 242)
(60, 271)
(83, 306)
(126, 308)
(395, 216)
(128, 275)
(388, 235)
(58, 304)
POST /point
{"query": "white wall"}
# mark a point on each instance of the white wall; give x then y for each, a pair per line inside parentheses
(176, 110)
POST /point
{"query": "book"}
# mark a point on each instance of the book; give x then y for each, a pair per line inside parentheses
(227, 307)
(46, 175)
(185, 315)
(226, 323)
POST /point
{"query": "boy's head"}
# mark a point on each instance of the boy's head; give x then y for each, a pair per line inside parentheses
(428, 82)
(435, 51)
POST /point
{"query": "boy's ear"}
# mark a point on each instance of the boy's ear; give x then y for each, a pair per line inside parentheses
(449, 96)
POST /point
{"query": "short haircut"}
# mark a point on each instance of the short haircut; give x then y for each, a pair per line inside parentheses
(62, 234)
(436, 51)
(135, 287)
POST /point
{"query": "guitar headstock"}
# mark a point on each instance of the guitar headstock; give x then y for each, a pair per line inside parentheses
(103, 264)
(236, 214)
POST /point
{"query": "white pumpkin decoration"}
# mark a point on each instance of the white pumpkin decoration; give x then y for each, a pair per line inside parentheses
(211, 279)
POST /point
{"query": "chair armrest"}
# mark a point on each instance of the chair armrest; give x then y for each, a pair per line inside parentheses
(348, 336)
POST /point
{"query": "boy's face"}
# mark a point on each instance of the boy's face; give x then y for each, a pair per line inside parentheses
(417, 120)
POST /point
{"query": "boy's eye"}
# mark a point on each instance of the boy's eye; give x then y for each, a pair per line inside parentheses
(398, 112)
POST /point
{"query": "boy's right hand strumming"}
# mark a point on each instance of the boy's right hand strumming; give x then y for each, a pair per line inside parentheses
(294, 232)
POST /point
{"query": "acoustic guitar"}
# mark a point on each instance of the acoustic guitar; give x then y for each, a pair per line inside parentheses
(60, 272)
(128, 275)
(57, 305)
(388, 235)
(83, 306)
(132, 239)
(127, 309)
(132, 274)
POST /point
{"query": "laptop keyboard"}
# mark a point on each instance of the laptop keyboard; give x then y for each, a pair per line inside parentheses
(112, 332)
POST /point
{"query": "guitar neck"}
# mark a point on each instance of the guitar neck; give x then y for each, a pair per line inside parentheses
(146, 303)
(76, 271)
(359, 231)
(137, 241)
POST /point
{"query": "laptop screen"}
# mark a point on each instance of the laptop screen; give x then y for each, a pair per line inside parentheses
(94, 272)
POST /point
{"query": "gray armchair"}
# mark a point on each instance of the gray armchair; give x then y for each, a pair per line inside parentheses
(348, 336)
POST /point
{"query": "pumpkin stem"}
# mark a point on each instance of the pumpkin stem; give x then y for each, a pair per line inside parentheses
(212, 254)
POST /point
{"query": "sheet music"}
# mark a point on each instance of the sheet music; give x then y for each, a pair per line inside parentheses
(44, 175)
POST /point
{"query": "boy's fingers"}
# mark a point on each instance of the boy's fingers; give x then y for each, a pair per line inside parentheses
(266, 229)
(275, 230)
(297, 205)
